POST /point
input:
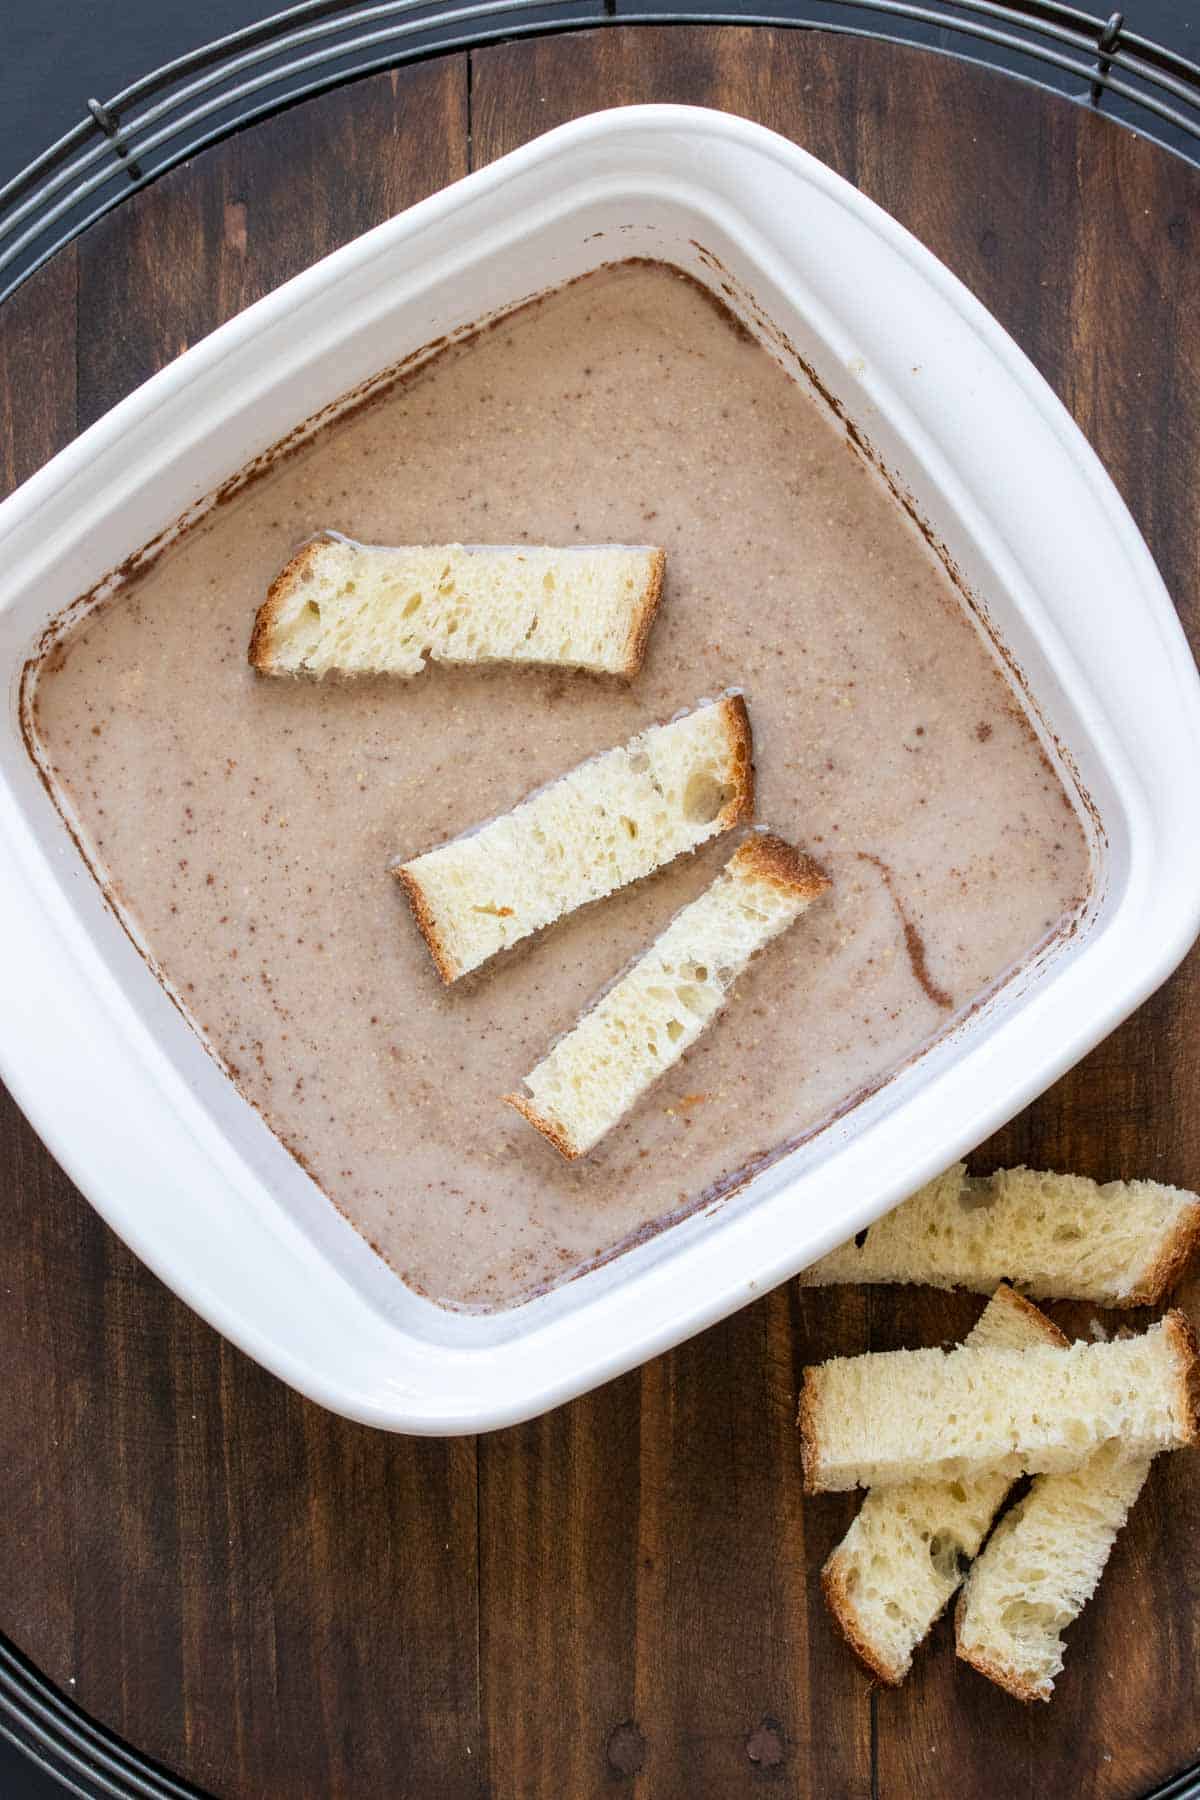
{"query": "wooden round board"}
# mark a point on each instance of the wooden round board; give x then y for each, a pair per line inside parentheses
(621, 1597)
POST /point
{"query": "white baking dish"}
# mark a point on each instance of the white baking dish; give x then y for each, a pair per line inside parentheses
(114, 1079)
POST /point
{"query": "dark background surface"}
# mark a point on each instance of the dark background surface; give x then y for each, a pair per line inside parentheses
(19, 1782)
(55, 57)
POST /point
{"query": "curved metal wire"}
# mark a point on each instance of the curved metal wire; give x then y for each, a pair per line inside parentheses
(170, 114)
(82, 1757)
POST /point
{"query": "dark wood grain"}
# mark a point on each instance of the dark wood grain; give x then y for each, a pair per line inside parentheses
(37, 371)
(269, 1599)
(619, 1598)
(1077, 236)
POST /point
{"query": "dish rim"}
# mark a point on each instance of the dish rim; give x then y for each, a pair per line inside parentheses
(425, 1408)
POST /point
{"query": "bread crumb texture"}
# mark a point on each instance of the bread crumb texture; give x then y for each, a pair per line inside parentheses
(918, 1414)
(612, 820)
(1125, 1243)
(340, 607)
(650, 1017)
(909, 1548)
(1041, 1566)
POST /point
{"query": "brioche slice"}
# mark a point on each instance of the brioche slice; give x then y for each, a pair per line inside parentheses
(908, 1415)
(1042, 1565)
(659, 1007)
(1052, 1236)
(363, 609)
(907, 1551)
(608, 822)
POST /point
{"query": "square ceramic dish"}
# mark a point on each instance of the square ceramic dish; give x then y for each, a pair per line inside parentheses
(124, 1093)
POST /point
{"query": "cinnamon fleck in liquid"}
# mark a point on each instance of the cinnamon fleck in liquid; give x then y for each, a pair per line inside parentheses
(247, 824)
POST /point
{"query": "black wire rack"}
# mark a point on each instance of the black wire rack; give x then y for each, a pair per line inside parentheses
(123, 143)
(81, 1757)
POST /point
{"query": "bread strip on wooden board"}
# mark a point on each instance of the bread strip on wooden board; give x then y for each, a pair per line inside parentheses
(907, 1551)
(1052, 1236)
(647, 1020)
(906, 1415)
(1041, 1566)
(366, 609)
(610, 821)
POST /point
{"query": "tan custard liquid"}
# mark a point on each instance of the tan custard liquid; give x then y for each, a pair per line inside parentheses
(246, 825)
